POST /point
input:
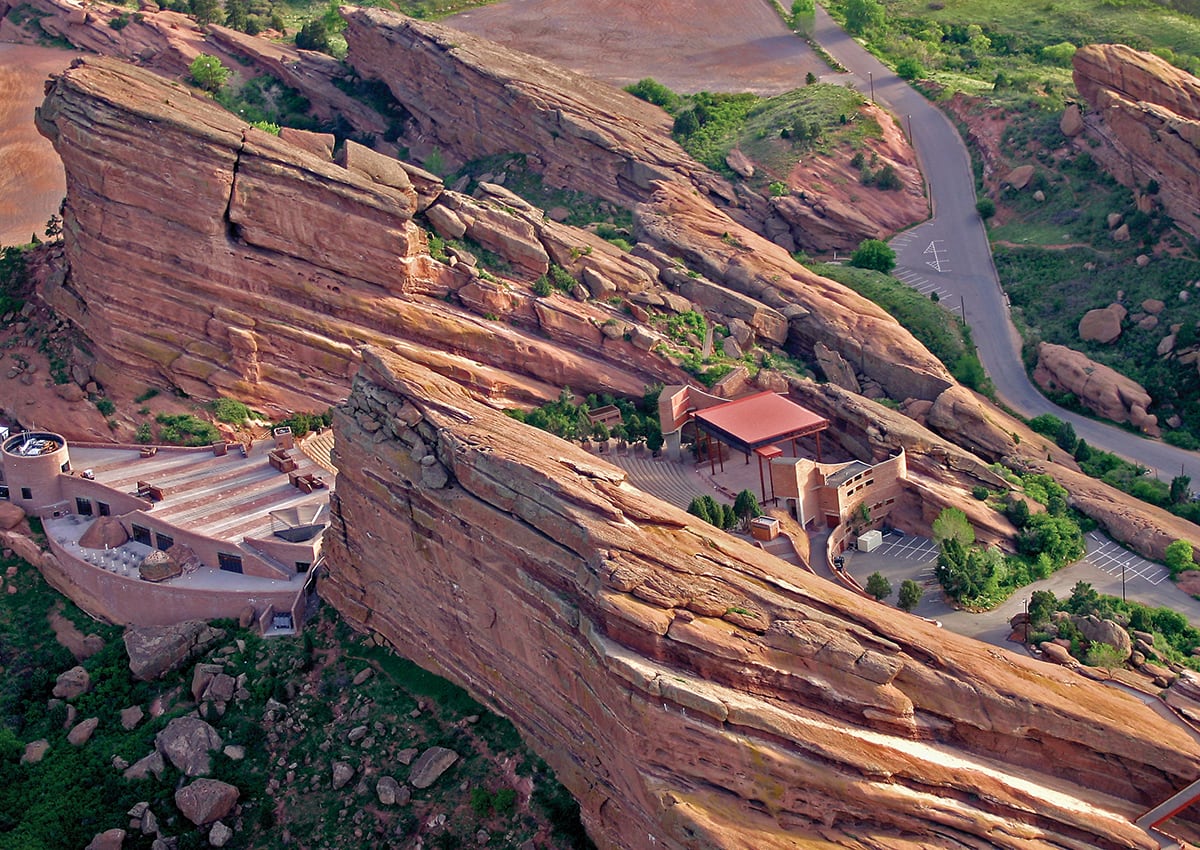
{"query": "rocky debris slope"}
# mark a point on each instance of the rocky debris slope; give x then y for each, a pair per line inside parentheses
(1147, 112)
(684, 688)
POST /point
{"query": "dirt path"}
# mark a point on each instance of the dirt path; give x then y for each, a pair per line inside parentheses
(688, 45)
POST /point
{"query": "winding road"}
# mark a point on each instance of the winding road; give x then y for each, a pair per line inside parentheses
(950, 254)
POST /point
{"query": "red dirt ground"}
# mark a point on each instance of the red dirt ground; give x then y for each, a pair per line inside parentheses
(687, 45)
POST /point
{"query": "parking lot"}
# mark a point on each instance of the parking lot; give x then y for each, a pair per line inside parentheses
(1112, 559)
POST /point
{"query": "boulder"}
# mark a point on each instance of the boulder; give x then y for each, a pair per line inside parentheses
(386, 790)
(112, 839)
(446, 222)
(219, 834)
(201, 676)
(82, 732)
(1102, 325)
(131, 717)
(343, 772)
(1153, 306)
(740, 163)
(1114, 219)
(10, 516)
(1105, 631)
(1101, 389)
(146, 766)
(1121, 234)
(105, 532)
(1057, 654)
(72, 683)
(430, 765)
(155, 650)
(35, 751)
(206, 800)
(1019, 177)
(1071, 123)
(187, 743)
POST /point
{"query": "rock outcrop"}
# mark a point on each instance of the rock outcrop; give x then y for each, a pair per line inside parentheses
(256, 268)
(1148, 113)
(1101, 389)
(687, 689)
(474, 98)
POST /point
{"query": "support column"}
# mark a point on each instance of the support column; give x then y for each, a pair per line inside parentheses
(674, 445)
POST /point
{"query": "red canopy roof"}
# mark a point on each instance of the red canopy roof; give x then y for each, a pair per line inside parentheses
(762, 419)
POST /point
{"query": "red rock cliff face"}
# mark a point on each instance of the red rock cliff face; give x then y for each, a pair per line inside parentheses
(1149, 113)
(694, 692)
(211, 256)
(476, 98)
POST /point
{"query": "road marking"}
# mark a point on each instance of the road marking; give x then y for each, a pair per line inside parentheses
(937, 261)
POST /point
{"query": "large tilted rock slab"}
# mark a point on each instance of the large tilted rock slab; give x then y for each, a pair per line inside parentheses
(256, 268)
(476, 98)
(692, 691)
(1149, 112)
(1101, 389)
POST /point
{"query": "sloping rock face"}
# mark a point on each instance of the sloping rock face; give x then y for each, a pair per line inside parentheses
(255, 268)
(475, 98)
(686, 690)
(1149, 113)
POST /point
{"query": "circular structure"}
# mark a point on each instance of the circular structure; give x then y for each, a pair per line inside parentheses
(33, 462)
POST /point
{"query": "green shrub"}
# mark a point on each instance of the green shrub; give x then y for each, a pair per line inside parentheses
(106, 406)
(878, 586)
(874, 254)
(652, 91)
(231, 411)
(1178, 557)
(208, 73)
(980, 492)
(542, 287)
(186, 430)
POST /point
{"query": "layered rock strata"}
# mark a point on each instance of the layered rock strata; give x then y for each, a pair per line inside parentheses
(690, 690)
(1148, 112)
(255, 267)
(474, 99)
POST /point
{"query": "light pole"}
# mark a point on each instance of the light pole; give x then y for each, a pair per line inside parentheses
(871, 79)
(1027, 598)
(1122, 581)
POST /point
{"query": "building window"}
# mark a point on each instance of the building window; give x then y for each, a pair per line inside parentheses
(105, 510)
(141, 535)
(83, 507)
(3, 492)
(165, 541)
(229, 563)
(26, 493)
(303, 566)
(66, 467)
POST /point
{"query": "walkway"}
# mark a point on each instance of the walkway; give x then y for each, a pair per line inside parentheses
(950, 254)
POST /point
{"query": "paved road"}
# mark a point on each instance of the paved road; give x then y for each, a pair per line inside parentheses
(908, 556)
(950, 253)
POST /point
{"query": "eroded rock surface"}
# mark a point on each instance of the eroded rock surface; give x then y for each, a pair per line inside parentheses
(1101, 389)
(682, 685)
(1148, 113)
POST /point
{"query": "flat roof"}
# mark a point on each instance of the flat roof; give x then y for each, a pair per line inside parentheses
(761, 419)
(224, 498)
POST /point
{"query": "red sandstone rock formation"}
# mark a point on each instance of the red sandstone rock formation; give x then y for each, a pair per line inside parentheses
(691, 691)
(1102, 390)
(254, 267)
(1148, 111)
